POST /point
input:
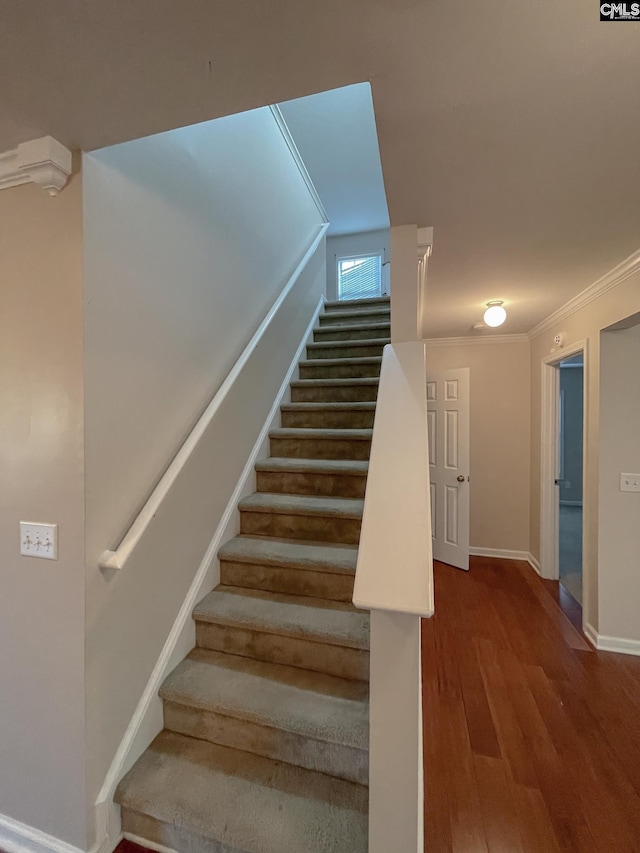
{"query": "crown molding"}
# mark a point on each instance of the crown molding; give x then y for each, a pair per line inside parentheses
(472, 341)
(603, 285)
(45, 162)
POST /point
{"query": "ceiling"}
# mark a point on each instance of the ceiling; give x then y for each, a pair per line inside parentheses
(511, 128)
(335, 133)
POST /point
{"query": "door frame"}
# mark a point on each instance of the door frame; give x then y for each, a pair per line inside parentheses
(437, 507)
(549, 504)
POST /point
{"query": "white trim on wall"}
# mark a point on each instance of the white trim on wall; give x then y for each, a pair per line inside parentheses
(276, 112)
(505, 554)
(604, 643)
(117, 558)
(17, 837)
(608, 281)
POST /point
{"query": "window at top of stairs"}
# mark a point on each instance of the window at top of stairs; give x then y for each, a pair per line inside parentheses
(359, 277)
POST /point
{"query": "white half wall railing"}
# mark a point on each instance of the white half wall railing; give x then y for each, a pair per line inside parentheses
(394, 580)
(117, 558)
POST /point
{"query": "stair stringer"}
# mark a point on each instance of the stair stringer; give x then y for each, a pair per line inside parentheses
(147, 720)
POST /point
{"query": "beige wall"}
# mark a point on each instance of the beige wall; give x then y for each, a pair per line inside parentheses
(500, 422)
(619, 515)
(612, 307)
(190, 237)
(42, 771)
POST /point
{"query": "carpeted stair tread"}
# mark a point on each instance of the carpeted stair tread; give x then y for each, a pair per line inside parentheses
(357, 467)
(328, 345)
(282, 697)
(335, 362)
(348, 304)
(328, 407)
(249, 803)
(317, 620)
(341, 383)
(323, 432)
(352, 327)
(291, 553)
(302, 505)
(366, 315)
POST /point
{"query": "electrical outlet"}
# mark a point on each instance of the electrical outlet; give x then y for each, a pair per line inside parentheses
(630, 482)
(567, 484)
(39, 540)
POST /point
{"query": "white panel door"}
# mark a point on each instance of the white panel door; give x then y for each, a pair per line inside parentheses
(448, 415)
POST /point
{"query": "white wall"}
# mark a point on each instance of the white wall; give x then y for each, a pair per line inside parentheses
(367, 242)
(189, 238)
(42, 760)
(500, 394)
(336, 135)
(619, 516)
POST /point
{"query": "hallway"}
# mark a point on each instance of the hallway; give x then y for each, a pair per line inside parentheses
(532, 738)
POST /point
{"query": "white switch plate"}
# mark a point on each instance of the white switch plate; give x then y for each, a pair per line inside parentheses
(630, 482)
(39, 540)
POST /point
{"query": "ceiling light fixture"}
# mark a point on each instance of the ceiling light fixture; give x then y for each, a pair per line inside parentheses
(495, 315)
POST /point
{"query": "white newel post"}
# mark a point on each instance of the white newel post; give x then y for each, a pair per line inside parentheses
(396, 795)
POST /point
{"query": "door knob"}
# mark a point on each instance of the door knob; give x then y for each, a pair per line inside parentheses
(460, 478)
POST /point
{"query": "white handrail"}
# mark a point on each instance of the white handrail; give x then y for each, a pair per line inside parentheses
(394, 570)
(117, 558)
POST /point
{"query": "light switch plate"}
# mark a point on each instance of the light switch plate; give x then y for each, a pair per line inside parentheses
(39, 540)
(630, 482)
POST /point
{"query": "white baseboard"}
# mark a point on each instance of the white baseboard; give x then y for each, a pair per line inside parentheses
(504, 554)
(149, 845)
(534, 563)
(612, 644)
(499, 553)
(16, 837)
(147, 721)
(591, 634)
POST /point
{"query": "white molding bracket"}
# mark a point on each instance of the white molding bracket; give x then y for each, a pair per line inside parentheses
(45, 162)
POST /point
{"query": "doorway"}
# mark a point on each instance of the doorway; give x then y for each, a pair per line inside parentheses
(564, 382)
(569, 481)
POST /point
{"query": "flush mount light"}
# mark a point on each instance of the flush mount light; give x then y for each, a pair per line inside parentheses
(495, 315)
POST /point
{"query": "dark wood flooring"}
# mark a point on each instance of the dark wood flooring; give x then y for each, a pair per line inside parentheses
(532, 738)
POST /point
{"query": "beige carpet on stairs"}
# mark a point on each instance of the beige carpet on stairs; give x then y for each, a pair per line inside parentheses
(265, 745)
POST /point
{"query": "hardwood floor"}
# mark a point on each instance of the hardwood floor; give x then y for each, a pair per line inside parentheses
(129, 847)
(532, 738)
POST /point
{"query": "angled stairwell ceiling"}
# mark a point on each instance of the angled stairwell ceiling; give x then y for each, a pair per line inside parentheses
(335, 133)
(511, 128)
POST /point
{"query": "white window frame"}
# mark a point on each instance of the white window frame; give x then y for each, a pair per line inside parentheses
(352, 257)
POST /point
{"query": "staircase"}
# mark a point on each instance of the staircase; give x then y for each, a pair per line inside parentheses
(265, 746)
